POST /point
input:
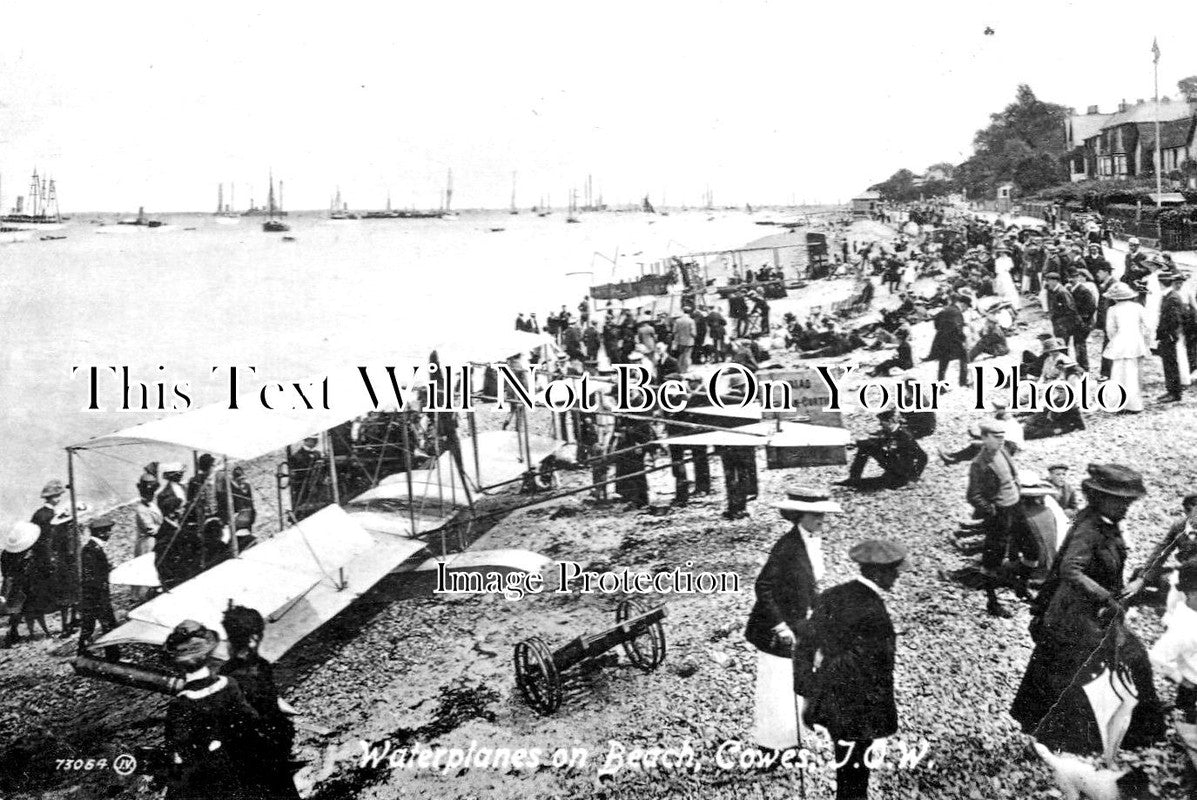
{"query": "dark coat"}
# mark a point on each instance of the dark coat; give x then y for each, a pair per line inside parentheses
(852, 692)
(1061, 306)
(94, 584)
(1087, 571)
(983, 482)
(785, 592)
(255, 677)
(1174, 318)
(207, 711)
(949, 334)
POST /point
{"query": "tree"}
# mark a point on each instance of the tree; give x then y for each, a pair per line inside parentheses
(899, 186)
(1188, 88)
(1023, 143)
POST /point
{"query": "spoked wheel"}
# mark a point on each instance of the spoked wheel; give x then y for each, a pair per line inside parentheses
(645, 649)
(536, 676)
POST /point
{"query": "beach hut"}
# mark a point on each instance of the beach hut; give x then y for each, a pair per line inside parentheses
(866, 203)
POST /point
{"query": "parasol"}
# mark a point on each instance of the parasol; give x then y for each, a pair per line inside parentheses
(1112, 696)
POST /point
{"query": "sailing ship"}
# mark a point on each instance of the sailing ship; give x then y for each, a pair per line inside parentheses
(42, 205)
(648, 207)
(225, 214)
(447, 212)
(546, 207)
(573, 206)
(514, 209)
(338, 209)
(273, 225)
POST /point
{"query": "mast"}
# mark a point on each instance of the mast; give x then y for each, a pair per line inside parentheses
(270, 197)
(232, 196)
(449, 191)
(514, 210)
(219, 198)
(280, 198)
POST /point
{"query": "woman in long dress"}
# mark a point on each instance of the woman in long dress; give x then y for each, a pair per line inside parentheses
(1126, 343)
(1004, 284)
(1079, 632)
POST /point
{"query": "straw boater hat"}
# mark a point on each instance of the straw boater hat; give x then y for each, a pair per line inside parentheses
(172, 468)
(1031, 485)
(53, 488)
(805, 498)
(190, 640)
(1114, 479)
(1119, 292)
(20, 538)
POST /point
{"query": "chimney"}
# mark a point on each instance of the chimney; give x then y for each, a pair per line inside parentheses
(1092, 110)
(1122, 105)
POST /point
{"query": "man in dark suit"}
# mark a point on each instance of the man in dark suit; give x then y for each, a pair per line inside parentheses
(948, 344)
(851, 637)
(95, 600)
(1136, 269)
(785, 593)
(894, 449)
(245, 628)
(1102, 278)
(1173, 321)
(1061, 309)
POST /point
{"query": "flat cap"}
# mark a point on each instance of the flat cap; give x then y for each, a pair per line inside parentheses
(993, 426)
(100, 525)
(1055, 467)
(878, 551)
(1115, 479)
(1051, 276)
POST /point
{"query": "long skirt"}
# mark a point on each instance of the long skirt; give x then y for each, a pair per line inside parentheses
(1124, 372)
(1182, 361)
(774, 717)
(1051, 703)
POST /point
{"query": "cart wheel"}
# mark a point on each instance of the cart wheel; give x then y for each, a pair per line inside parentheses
(647, 650)
(536, 676)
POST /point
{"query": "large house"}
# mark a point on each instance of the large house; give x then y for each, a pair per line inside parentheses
(1122, 144)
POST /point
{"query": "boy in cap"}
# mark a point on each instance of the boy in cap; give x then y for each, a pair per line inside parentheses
(95, 600)
(852, 639)
(1065, 494)
(785, 593)
(993, 492)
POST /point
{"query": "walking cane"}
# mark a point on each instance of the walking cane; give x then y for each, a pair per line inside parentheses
(799, 703)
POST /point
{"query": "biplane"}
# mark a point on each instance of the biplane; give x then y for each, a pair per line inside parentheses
(314, 568)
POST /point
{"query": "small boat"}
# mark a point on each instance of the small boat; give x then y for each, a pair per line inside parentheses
(497, 230)
(141, 220)
(273, 225)
(52, 238)
(288, 238)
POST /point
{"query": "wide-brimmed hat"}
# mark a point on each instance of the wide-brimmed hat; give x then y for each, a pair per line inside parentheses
(1054, 345)
(882, 552)
(1120, 291)
(191, 640)
(808, 499)
(1114, 479)
(172, 467)
(53, 488)
(1168, 275)
(20, 537)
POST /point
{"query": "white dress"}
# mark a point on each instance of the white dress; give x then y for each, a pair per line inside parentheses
(1126, 336)
(1004, 284)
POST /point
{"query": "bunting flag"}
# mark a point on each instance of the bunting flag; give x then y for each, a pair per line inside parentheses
(1155, 50)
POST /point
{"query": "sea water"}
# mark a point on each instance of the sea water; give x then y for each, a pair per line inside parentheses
(171, 303)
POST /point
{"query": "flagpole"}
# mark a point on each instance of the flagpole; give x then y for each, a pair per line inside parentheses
(1159, 162)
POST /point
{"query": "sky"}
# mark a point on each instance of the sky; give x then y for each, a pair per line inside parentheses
(155, 104)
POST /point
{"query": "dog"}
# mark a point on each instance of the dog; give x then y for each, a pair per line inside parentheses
(1078, 779)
